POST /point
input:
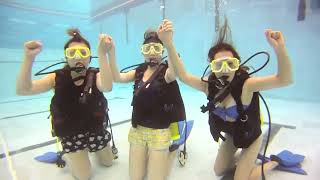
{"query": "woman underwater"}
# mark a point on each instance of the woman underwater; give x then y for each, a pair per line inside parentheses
(156, 103)
(80, 124)
(238, 114)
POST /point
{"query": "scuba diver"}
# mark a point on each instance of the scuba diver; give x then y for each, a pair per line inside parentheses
(237, 112)
(78, 107)
(157, 107)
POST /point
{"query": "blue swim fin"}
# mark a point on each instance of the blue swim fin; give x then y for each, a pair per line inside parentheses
(181, 125)
(182, 132)
(294, 169)
(287, 158)
(49, 157)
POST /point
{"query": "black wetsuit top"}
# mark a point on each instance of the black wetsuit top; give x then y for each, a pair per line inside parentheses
(69, 115)
(158, 105)
(244, 133)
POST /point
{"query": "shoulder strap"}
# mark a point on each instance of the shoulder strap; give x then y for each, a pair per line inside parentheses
(236, 92)
(153, 76)
(89, 84)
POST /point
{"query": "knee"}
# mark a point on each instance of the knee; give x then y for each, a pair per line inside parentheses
(105, 156)
(218, 170)
(82, 175)
(106, 162)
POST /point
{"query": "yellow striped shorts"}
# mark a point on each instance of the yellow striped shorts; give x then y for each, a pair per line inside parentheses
(155, 139)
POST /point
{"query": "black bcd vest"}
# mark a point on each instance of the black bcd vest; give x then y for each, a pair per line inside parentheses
(244, 133)
(157, 105)
(77, 109)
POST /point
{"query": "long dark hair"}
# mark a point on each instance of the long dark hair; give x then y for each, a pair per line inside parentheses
(223, 42)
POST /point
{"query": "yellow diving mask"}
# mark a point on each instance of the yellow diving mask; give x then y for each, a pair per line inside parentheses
(226, 63)
(83, 52)
(155, 48)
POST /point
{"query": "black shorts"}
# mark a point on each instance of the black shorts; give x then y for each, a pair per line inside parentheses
(93, 141)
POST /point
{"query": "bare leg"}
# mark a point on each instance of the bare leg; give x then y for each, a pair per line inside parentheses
(105, 156)
(246, 167)
(158, 164)
(171, 157)
(137, 162)
(79, 164)
(225, 159)
(267, 167)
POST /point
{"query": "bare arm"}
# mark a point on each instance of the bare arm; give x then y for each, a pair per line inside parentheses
(104, 77)
(170, 75)
(183, 75)
(117, 76)
(24, 84)
(165, 34)
(284, 74)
